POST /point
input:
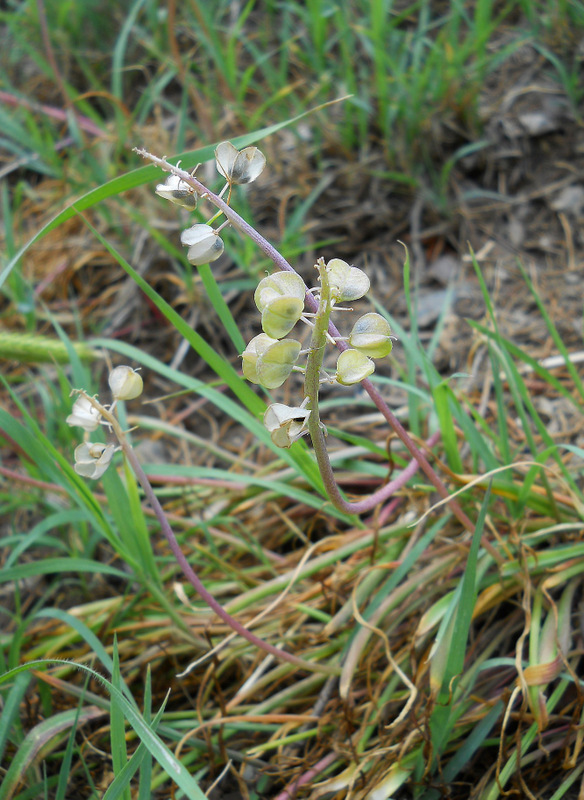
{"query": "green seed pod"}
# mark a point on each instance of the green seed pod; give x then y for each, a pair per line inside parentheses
(258, 345)
(279, 284)
(268, 361)
(281, 315)
(276, 363)
(347, 283)
(353, 367)
(371, 335)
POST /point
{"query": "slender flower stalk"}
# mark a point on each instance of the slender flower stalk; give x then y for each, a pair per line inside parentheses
(205, 595)
(188, 571)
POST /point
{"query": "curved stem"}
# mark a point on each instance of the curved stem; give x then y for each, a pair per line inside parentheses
(188, 571)
(195, 581)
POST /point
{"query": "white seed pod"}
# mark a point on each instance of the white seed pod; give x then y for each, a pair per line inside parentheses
(285, 423)
(93, 458)
(84, 415)
(353, 367)
(178, 192)
(371, 335)
(278, 414)
(204, 243)
(125, 383)
(347, 283)
(279, 284)
(239, 166)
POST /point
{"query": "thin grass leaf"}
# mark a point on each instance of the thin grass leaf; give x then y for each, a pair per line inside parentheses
(37, 532)
(515, 351)
(442, 399)
(117, 727)
(496, 788)
(65, 770)
(448, 659)
(10, 726)
(468, 748)
(46, 460)
(279, 488)
(145, 765)
(120, 50)
(140, 760)
(221, 308)
(128, 516)
(53, 566)
(553, 331)
(87, 635)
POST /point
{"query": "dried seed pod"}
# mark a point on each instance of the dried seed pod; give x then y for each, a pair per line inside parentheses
(204, 243)
(239, 166)
(286, 424)
(93, 458)
(125, 383)
(178, 192)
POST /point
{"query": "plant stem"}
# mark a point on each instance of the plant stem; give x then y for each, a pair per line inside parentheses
(188, 571)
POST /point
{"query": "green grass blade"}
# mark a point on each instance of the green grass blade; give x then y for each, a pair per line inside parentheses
(54, 566)
(64, 771)
(442, 404)
(9, 718)
(221, 308)
(448, 660)
(117, 726)
(139, 760)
